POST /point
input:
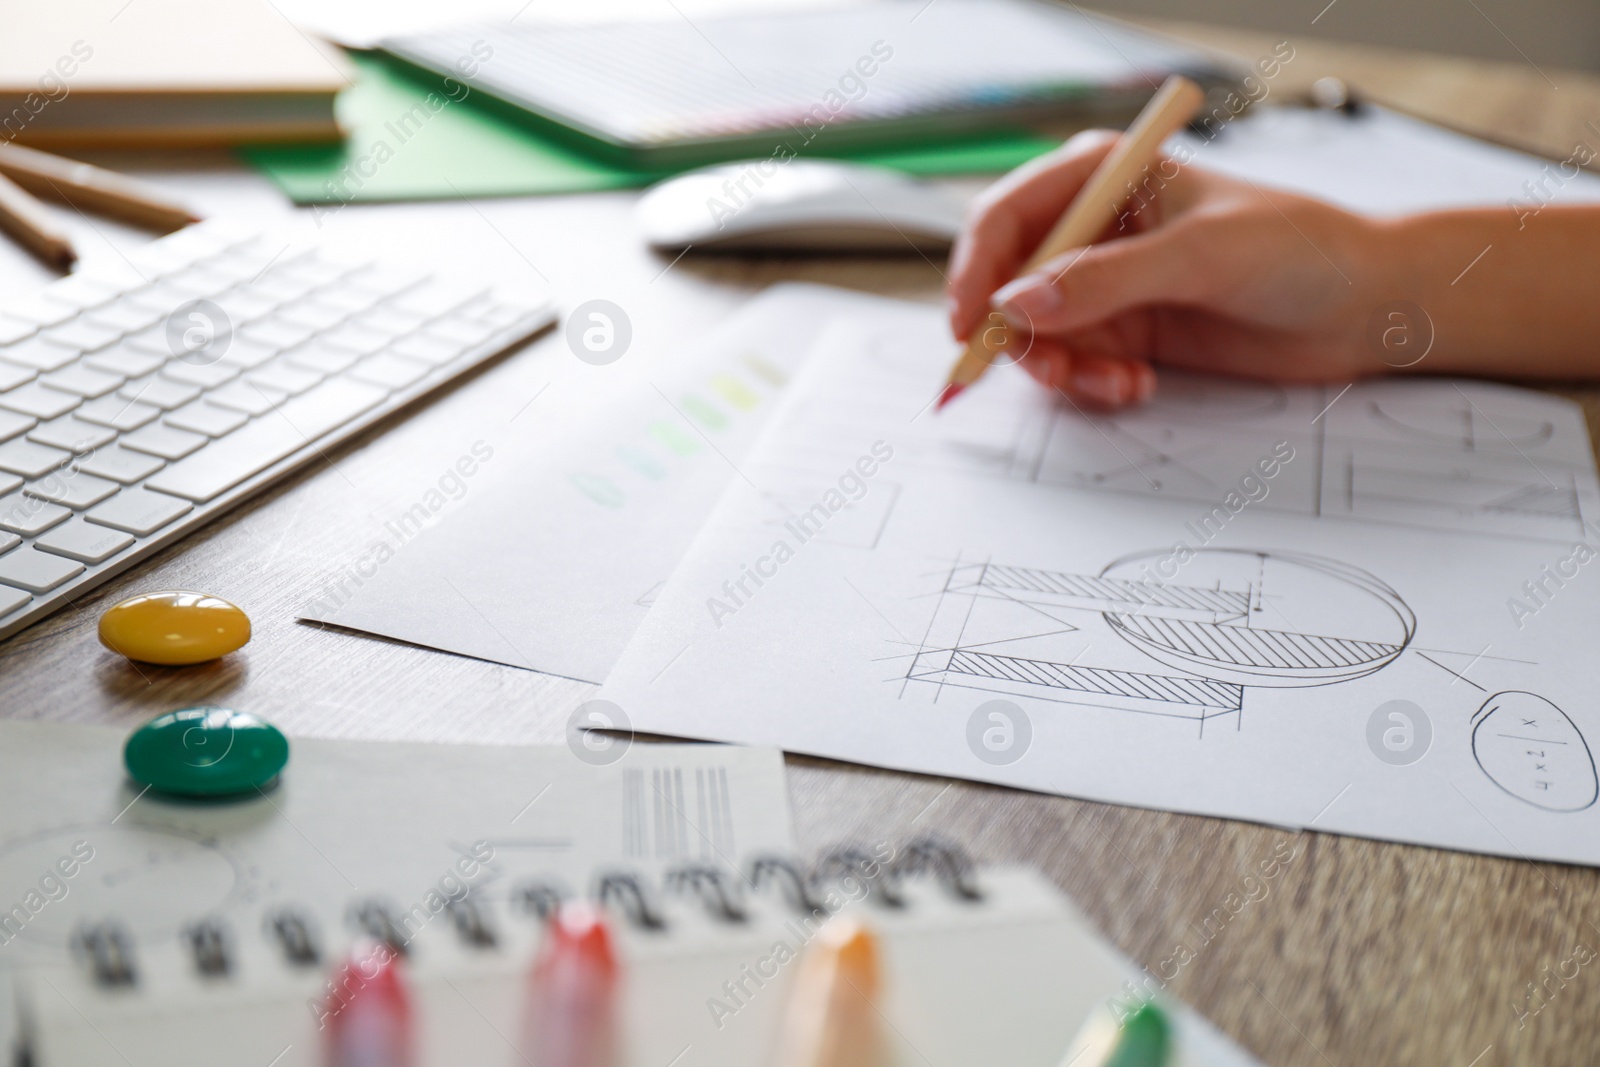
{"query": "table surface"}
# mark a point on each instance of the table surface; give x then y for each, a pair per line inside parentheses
(1360, 953)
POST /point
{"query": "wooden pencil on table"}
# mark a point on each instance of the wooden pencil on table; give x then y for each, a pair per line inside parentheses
(1095, 207)
(25, 219)
(93, 188)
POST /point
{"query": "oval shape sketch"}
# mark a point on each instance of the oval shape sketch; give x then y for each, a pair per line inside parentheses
(1255, 617)
(1528, 747)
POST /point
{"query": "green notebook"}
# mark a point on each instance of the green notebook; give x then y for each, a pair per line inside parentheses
(408, 140)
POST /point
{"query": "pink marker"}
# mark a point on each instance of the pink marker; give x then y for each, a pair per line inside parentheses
(572, 1017)
(367, 1012)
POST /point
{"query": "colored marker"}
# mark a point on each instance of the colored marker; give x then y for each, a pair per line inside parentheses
(832, 1019)
(1143, 1039)
(572, 1018)
(367, 1013)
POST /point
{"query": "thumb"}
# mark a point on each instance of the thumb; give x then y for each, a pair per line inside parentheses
(1091, 285)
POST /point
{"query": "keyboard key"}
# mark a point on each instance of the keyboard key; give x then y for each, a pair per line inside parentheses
(31, 460)
(117, 413)
(204, 375)
(8, 483)
(83, 541)
(12, 599)
(29, 515)
(38, 309)
(72, 489)
(73, 434)
(37, 572)
(500, 316)
(308, 313)
(436, 298)
(128, 362)
(386, 281)
(81, 334)
(82, 291)
(316, 269)
(159, 392)
(241, 265)
(396, 372)
(357, 339)
(464, 330)
(139, 511)
(323, 358)
(267, 440)
(282, 287)
(125, 316)
(348, 300)
(284, 378)
(152, 340)
(200, 281)
(11, 424)
(246, 397)
(163, 441)
(84, 381)
(244, 306)
(34, 399)
(14, 374)
(275, 331)
(39, 354)
(434, 351)
(121, 465)
(12, 329)
(202, 417)
(247, 354)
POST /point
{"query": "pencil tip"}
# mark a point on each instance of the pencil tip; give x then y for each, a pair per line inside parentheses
(951, 391)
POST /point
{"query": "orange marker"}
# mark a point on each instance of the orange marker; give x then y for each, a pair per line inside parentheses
(367, 1013)
(1094, 208)
(572, 1018)
(832, 1019)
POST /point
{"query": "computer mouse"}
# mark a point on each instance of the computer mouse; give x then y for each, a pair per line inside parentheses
(789, 205)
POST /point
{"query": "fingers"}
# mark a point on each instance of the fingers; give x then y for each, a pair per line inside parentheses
(1092, 286)
(1010, 219)
(1090, 380)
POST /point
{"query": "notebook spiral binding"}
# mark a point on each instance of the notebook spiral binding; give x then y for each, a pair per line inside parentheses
(106, 948)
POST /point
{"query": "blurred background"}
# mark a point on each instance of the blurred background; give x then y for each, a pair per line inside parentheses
(1563, 33)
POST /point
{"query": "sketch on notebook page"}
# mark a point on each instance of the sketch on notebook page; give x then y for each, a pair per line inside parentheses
(1227, 620)
(1486, 460)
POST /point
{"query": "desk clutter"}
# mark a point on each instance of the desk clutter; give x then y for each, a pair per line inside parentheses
(146, 928)
(141, 400)
(769, 536)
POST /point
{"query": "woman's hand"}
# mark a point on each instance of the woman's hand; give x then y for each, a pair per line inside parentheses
(1203, 272)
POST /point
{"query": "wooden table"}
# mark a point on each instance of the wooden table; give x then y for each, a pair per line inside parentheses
(1360, 953)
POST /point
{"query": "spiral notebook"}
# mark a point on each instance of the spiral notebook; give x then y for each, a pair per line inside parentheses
(108, 891)
(137, 931)
(979, 968)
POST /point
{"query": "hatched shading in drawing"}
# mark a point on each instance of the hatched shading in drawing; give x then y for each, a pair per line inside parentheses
(1187, 646)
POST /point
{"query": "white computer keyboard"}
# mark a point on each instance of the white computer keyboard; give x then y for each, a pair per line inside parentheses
(138, 403)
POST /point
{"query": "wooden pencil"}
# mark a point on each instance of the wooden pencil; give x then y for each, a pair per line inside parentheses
(1094, 208)
(93, 188)
(25, 219)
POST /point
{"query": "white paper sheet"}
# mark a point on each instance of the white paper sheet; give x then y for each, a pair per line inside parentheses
(1207, 605)
(1382, 163)
(554, 566)
(537, 572)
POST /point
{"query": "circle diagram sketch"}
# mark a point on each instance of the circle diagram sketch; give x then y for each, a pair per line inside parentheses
(1262, 618)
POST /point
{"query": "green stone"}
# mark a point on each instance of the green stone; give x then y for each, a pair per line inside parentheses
(206, 752)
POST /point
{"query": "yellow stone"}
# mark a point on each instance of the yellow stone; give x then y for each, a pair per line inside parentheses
(174, 628)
